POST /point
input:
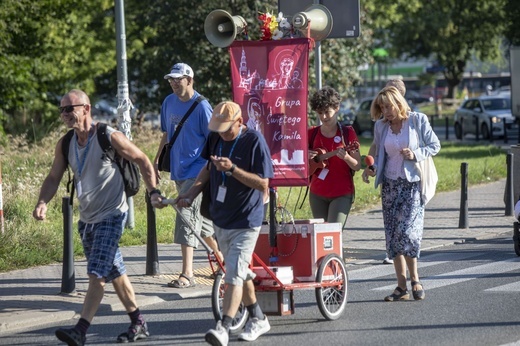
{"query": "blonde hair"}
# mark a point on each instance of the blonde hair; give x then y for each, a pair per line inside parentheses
(389, 95)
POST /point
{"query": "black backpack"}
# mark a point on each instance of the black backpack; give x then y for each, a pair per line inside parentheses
(129, 170)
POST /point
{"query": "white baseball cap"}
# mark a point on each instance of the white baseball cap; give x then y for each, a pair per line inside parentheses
(180, 70)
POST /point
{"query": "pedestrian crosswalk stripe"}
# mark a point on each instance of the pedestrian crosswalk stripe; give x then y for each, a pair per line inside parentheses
(370, 273)
(463, 275)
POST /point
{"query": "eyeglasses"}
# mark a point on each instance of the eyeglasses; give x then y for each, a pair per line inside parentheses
(70, 108)
(176, 80)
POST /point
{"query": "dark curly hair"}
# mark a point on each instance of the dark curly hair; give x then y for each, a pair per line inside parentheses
(324, 98)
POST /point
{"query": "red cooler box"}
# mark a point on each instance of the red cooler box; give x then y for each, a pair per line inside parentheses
(301, 246)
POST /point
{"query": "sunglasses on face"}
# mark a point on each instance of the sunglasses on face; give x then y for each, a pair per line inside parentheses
(176, 80)
(70, 108)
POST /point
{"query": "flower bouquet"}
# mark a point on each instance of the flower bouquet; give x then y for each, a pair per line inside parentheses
(275, 28)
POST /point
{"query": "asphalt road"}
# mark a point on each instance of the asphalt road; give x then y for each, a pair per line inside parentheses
(472, 294)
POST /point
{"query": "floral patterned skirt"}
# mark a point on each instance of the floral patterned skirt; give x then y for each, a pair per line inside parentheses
(403, 216)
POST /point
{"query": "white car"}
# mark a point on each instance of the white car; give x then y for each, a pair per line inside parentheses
(485, 114)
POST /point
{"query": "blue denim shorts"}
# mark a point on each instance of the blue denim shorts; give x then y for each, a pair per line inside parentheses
(101, 247)
(237, 246)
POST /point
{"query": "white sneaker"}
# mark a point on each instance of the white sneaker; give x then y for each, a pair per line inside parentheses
(218, 336)
(388, 261)
(255, 328)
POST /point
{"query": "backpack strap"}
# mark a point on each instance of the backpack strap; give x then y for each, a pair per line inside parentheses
(106, 145)
(65, 145)
(195, 103)
(102, 136)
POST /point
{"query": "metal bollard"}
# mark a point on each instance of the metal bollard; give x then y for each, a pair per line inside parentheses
(477, 129)
(490, 130)
(509, 194)
(68, 280)
(463, 217)
(273, 258)
(447, 121)
(152, 255)
(506, 140)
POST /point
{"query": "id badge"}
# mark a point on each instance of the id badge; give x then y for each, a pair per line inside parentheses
(79, 189)
(323, 173)
(221, 195)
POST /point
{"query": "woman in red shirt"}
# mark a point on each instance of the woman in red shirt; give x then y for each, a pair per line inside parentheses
(333, 158)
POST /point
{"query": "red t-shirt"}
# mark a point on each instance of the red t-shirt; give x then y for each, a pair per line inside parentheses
(338, 181)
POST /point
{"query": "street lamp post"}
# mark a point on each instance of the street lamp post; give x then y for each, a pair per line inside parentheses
(123, 99)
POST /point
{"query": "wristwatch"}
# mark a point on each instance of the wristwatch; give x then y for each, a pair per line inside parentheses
(231, 170)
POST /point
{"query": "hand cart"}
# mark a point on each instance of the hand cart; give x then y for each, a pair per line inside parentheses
(303, 254)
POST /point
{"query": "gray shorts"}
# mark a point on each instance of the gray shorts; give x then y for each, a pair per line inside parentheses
(238, 256)
(101, 246)
(183, 234)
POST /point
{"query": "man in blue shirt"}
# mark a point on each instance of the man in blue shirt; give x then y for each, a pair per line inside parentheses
(239, 180)
(186, 162)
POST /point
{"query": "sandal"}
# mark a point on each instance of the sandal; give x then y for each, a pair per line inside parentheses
(403, 295)
(178, 283)
(418, 294)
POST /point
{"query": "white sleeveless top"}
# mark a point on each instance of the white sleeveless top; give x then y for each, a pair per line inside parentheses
(394, 143)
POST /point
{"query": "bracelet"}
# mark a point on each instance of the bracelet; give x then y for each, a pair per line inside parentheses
(154, 191)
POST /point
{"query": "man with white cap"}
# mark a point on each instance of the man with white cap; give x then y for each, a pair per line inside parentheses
(239, 180)
(186, 162)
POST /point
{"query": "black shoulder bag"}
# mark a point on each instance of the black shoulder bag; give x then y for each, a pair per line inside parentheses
(213, 139)
(164, 157)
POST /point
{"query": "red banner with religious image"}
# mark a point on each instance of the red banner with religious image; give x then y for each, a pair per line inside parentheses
(269, 80)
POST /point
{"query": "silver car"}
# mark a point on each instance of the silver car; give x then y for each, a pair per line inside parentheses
(359, 118)
(485, 114)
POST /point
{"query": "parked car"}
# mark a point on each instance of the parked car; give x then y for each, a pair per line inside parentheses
(484, 114)
(105, 109)
(359, 117)
(413, 97)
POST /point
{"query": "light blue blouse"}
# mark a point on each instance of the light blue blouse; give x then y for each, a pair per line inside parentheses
(419, 127)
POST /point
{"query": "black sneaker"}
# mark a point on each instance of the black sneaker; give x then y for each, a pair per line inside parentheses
(134, 333)
(71, 337)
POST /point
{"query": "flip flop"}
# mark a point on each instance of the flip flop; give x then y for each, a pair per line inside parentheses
(177, 283)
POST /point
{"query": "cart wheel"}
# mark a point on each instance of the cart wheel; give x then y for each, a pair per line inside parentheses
(217, 298)
(516, 238)
(332, 299)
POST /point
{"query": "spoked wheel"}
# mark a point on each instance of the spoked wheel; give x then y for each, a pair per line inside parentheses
(217, 299)
(332, 299)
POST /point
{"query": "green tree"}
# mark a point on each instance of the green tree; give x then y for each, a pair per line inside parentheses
(512, 33)
(46, 48)
(448, 31)
(162, 33)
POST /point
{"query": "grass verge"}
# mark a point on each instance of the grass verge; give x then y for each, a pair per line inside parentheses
(27, 242)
